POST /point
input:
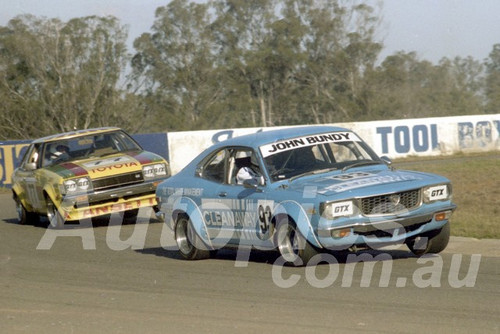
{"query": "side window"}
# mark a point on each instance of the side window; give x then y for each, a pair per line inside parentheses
(32, 156)
(243, 165)
(215, 168)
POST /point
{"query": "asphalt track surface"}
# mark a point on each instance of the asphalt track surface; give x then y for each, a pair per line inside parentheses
(129, 279)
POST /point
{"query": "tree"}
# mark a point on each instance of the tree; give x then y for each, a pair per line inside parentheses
(175, 65)
(492, 90)
(340, 50)
(242, 35)
(57, 76)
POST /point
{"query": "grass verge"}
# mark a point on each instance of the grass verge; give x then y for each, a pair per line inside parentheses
(476, 190)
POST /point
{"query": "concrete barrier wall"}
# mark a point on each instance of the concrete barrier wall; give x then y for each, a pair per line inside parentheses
(395, 139)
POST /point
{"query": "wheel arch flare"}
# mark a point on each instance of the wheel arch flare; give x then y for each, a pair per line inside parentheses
(299, 214)
(185, 205)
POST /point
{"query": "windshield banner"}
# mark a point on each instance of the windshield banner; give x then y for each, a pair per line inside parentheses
(290, 144)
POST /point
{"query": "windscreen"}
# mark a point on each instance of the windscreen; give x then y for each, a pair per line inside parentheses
(317, 153)
(96, 145)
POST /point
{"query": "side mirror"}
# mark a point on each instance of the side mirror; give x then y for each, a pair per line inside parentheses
(387, 160)
(254, 183)
(30, 166)
(199, 171)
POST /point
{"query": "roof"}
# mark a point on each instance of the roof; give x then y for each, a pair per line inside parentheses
(76, 133)
(266, 137)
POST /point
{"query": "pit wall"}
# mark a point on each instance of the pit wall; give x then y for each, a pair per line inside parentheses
(395, 139)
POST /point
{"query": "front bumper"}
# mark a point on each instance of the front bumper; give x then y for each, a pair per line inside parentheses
(76, 207)
(383, 231)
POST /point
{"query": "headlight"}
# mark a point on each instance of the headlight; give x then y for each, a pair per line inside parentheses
(76, 185)
(148, 172)
(440, 192)
(337, 209)
(70, 186)
(160, 170)
(83, 183)
(152, 171)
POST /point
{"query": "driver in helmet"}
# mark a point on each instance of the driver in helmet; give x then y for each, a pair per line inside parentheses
(248, 168)
(58, 152)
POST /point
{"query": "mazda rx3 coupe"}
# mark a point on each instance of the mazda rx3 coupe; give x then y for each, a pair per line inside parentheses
(302, 191)
(85, 174)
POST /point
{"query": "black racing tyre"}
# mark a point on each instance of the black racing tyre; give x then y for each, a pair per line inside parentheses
(131, 214)
(53, 215)
(431, 243)
(24, 216)
(191, 247)
(292, 245)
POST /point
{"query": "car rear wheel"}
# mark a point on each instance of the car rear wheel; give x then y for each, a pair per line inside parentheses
(433, 242)
(53, 215)
(292, 245)
(24, 216)
(188, 241)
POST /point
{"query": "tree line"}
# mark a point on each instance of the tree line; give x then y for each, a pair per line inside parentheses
(225, 64)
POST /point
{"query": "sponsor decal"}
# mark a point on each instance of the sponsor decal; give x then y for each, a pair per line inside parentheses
(107, 162)
(119, 207)
(290, 144)
(229, 212)
(239, 214)
(104, 165)
(368, 181)
(351, 176)
(340, 209)
(197, 192)
(438, 193)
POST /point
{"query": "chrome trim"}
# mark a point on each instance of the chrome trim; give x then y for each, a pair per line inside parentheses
(369, 226)
(113, 194)
(358, 201)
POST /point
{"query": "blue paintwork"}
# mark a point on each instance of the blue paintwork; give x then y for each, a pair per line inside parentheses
(225, 214)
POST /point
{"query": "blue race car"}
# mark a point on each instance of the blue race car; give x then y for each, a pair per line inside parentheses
(302, 190)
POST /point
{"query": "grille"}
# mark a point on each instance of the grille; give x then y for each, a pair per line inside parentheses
(390, 203)
(117, 181)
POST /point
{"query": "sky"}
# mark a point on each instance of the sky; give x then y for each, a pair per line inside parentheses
(432, 28)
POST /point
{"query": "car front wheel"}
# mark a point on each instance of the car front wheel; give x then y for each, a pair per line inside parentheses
(433, 242)
(292, 245)
(190, 245)
(53, 215)
(24, 216)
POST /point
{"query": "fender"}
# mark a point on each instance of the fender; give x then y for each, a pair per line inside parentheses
(186, 205)
(299, 215)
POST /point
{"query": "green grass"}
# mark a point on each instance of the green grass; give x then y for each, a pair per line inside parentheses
(476, 190)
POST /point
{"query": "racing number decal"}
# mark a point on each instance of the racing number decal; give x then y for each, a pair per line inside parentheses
(264, 218)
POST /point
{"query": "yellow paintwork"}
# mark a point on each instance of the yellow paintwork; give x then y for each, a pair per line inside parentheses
(33, 187)
(70, 213)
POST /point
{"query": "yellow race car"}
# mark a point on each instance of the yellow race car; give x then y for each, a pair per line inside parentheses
(85, 174)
